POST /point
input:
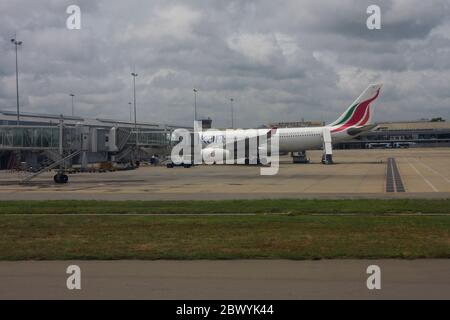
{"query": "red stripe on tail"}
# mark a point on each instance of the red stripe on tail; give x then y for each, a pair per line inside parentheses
(358, 114)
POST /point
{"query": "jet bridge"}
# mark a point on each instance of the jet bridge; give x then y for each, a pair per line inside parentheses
(61, 144)
(29, 137)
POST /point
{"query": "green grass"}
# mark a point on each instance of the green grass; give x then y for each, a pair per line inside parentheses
(51, 237)
(372, 232)
(294, 206)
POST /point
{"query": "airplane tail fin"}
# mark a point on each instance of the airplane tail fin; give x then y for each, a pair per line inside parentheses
(359, 113)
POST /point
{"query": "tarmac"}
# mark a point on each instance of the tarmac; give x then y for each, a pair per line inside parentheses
(231, 279)
(424, 173)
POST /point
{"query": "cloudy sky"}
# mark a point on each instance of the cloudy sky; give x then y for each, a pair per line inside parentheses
(279, 60)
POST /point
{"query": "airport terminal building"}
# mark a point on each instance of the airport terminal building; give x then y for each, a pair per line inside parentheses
(424, 133)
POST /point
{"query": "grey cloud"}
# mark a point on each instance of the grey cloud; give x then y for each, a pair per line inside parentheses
(280, 60)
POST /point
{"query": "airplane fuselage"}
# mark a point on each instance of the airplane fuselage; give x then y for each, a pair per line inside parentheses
(290, 139)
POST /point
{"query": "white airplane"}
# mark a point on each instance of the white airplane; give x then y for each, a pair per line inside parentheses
(355, 120)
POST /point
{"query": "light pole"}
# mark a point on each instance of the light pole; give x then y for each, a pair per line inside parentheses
(134, 74)
(232, 113)
(129, 104)
(16, 44)
(195, 104)
(134, 96)
(72, 95)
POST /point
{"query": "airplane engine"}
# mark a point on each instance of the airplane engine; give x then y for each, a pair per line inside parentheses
(215, 155)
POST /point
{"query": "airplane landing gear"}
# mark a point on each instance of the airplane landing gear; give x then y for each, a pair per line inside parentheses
(300, 157)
